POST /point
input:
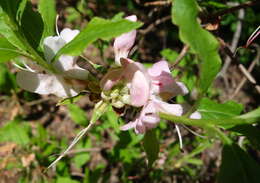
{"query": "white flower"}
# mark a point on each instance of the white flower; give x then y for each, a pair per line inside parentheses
(60, 82)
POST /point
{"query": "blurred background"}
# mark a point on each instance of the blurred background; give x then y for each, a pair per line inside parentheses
(33, 130)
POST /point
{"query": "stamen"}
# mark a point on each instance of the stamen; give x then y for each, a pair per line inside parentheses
(179, 135)
(57, 29)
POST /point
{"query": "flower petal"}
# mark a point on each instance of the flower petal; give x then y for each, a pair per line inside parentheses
(195, 115)
(139, 91)
(110, 79)
(128, 126)
(174, 109)
(158, 68)
(124, 43)
(44, 84)
(67, 34)
(52, 45)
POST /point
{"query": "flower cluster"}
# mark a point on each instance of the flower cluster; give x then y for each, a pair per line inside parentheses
(128, 83)
(132, 84)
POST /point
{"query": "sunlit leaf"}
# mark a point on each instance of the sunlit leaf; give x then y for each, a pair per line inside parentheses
(7, 50)
(237, 166)
(213, 110)
(77, 114)
(184, 15)
(15, 131)
(48, 14)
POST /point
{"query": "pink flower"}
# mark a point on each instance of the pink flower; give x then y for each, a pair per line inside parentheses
(124, 43)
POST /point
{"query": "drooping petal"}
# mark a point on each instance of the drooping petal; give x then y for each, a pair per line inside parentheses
(124, 43)
(67, 34)
(44, 84)
(139, 91)
(140, 127)
(128, 126)
(149, 115)
(174, 109)
(163, 83)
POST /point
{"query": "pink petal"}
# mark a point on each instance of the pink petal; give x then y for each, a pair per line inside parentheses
(158, 68)
(124, 43)
(111, 78)
(174, 109)
(139, 91)
(128, 126)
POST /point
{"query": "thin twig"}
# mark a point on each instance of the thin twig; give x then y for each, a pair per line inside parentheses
(230, 10)
(158, 3)
(250, 69)
(152, 26)
(234, 43)
(180, 57)
(75, 151)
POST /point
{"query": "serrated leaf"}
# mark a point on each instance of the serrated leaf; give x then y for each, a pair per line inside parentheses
(151, 146)
(184, 15)
(77, 114)
(213, 110)
(237, 166)
(15, 131)
(47, 9)
(7, 50)
(98, 28)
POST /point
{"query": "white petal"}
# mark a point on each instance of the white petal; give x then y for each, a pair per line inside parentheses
(52, 45)
(44, 84)
(195, 115)
(67, 34)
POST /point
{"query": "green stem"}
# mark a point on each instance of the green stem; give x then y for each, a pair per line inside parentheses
(203, 122)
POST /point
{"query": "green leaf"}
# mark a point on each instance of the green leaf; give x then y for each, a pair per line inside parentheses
(212, 110)
(47, 10)
(32, 26)
(7, 80)
(66, 180)
(237, 166)
(15, 131)
(10, 30)
(19, 18)
(82, 158)
(251, 132)
(184, 15)
(20, 10)
(151, 146)
(7, 50)
(77, 114)
(169, 54)
(97, 28)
